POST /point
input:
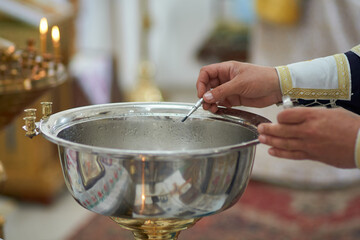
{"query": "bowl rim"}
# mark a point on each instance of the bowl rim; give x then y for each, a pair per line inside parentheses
(244, 118)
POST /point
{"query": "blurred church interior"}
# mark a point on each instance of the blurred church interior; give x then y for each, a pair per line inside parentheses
(151, 50)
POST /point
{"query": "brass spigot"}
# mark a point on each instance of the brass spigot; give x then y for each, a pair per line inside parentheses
(30, 112)
(30, 126)
(46, 109)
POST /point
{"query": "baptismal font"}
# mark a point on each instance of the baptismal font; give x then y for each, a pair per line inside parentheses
(151, 173)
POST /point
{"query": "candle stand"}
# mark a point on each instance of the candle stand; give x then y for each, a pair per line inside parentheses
(24, 76)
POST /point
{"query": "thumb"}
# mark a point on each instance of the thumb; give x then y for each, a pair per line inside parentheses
(219, 93)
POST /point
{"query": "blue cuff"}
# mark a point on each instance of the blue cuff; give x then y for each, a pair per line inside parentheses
(354, 104)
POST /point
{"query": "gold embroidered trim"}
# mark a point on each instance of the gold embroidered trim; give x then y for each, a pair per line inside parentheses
(356, 50)
(285, 79)
(343, 75)
(342, 92)
(357, 150)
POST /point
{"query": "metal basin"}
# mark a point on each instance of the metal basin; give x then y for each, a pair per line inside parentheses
(139, 161)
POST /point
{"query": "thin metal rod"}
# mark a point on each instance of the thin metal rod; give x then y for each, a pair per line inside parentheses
(193, 109)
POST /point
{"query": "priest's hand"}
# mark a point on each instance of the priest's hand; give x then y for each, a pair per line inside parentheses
(325, 135)
(234, 83)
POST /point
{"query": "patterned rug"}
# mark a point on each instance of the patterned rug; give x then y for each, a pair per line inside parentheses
(264, 212)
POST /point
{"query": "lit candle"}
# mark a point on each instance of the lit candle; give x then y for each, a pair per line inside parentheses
(55, 35)
(43, 27)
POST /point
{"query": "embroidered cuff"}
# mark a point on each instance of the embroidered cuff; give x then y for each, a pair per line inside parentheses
(357, 150)
(321, 78)
(356, 50)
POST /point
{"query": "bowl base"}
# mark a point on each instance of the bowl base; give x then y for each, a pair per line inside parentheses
(155, 228)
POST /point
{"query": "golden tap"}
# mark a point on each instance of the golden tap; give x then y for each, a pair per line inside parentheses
(30, 126)
(46, 109)
(30, 112)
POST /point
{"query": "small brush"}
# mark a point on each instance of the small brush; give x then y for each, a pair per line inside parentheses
(193, 109)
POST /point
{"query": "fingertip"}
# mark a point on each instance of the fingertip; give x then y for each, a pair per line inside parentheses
(199, 95)
(208, 96)
(200, 90)
(206, 106)
(261, 128)
(272, 151)
(262, 139)
(213, 108)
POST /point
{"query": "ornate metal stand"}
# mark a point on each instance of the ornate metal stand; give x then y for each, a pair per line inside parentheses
(155, 229)
(24, 76)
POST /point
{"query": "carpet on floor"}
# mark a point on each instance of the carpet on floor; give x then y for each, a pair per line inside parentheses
(265, 211)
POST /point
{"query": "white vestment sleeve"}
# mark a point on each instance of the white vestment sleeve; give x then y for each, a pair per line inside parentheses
(321, 78)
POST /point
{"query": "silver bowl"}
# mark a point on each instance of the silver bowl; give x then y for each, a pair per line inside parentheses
(139, 162)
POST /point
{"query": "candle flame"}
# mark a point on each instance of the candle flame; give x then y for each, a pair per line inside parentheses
(55, 33)
(43, 27)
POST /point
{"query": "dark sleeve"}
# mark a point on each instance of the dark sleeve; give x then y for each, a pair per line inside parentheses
(354, 103)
